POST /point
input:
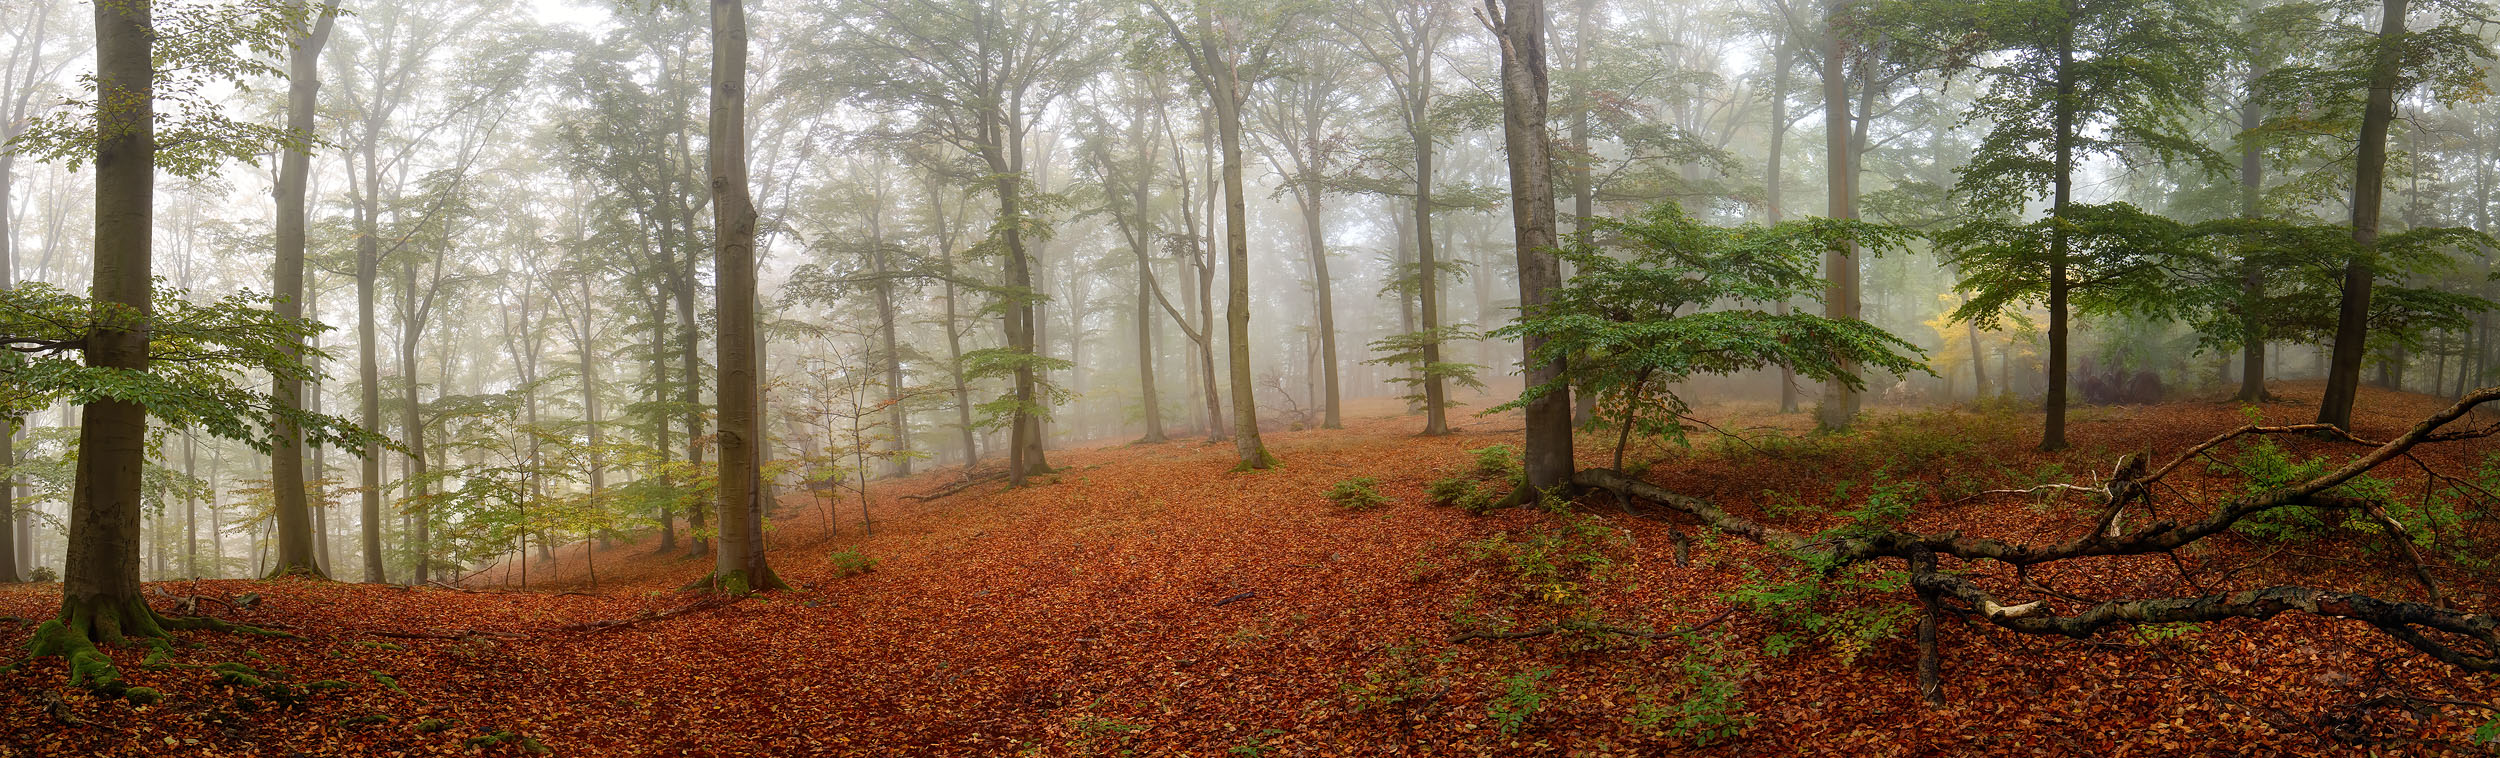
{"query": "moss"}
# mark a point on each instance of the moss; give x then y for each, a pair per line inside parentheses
(363, 719)
(387, 680)
(491, 739)
(142, 695)
(236, 674)
(329, 684)
(1262, 462)
(431, 725)
(533, 746)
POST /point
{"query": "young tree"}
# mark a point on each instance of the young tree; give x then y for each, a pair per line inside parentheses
(1636, 318)
(2065, 79)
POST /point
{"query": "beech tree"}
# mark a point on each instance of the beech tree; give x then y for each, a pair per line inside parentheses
(1519, 25)
(287, 485)
(739, 564)
(1219, 56)
(2066, 79)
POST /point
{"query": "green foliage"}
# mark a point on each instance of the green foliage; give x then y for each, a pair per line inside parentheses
(203, 360)
(1840, 610)
(2118, 260)
(1555, 563)
(1644, 311)
(1405, 677)
(1521, 698)
(849, 562)
(205, 55)
(1707, 700)
(1408, 350)
(1358, 494)
(1500, 463)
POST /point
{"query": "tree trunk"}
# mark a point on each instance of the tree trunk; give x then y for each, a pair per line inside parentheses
(1521, 29)
(1427, 259)
(1840, 263)
(100, 598)
(2053, 433)
(2252, 277)
(739, 564)
(1774, 210)
(2369, 189)
(368, 360)
(1225, 91)
(286, 466)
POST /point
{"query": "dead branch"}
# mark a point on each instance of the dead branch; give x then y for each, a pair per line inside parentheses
(960, 486)
(459, 635)
(2411, 623)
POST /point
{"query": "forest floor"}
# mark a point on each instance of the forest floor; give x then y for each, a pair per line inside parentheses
(1148, 601)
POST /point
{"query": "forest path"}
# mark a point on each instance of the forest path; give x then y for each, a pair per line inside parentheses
(1086, 616)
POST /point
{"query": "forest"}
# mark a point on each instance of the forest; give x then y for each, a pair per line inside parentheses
(1249, 378)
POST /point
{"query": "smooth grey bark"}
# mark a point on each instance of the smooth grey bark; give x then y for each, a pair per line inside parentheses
(739, 564)
(1519, 25)
(293, 522)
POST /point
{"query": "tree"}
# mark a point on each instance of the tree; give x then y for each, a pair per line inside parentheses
(1302, 119)
(294, 521)
(128, 320)
(2398, 60)
(1636, 317)
(979, 81)
(1219, 56)
(1519, 25)
(1403, 39)
(2065, 79)
(739, 564)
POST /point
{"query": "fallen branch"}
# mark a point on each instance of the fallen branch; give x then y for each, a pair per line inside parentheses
(2408, 622)
(1237, 597)
(459, 635)
(959, 486)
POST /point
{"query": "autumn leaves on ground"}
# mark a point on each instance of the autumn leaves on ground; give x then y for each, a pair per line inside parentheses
(1147, 601)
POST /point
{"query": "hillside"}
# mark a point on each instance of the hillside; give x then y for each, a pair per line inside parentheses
(1147, 601)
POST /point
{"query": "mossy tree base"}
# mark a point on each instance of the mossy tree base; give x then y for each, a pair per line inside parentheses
(1263, 461)
(738, 582)
(302, 571)
(86, 624)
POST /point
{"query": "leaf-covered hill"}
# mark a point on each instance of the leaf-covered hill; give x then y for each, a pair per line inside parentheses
(1148, 601)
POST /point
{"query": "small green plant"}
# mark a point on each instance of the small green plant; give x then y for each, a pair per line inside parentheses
(1406, 676)
(1499, 463)
(1839, 609)
(1707, 703)
(43, 574)
(849, 562)
(1521, 698)
(1554, 563)
(1358, 494)
(1256, 745)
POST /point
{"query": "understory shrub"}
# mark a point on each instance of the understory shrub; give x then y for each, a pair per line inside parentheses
(849, 562)
(1358, 494)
